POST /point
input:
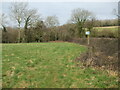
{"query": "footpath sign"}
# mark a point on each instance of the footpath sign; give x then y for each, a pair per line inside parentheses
(88, 33)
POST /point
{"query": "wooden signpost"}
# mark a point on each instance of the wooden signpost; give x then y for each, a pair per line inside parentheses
(88, 40)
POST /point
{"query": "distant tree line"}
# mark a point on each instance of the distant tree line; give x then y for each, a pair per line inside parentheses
(32, 28)
(104, 23)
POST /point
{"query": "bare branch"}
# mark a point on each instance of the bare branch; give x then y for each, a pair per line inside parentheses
(51, 21)
(17, 9)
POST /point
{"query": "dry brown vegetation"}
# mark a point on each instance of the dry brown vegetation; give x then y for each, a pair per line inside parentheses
(102, 53)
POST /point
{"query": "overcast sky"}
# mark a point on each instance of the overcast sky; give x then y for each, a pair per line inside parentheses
(102, 10)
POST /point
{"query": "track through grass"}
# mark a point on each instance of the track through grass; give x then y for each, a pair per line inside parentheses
(49, 65)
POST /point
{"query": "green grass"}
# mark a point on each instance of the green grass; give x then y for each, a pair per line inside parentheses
(49, 65)
(107, 28)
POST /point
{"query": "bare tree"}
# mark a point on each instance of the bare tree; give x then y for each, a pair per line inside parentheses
(30, 17)
(51, 21)
(117, 11)
(17, 13)
(3, 21)
(79, 17)
(24, 16)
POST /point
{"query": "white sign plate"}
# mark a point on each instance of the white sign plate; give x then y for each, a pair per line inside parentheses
(87, 33)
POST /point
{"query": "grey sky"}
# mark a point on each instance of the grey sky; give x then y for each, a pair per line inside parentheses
(102, 10)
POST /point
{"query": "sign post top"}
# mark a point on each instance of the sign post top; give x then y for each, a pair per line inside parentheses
(87, 32)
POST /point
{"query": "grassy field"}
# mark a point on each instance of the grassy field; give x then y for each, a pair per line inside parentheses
(110, 31)
(49, 65)
(107, 28)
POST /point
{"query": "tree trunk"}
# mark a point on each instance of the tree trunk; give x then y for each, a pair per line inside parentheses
(19, 36)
